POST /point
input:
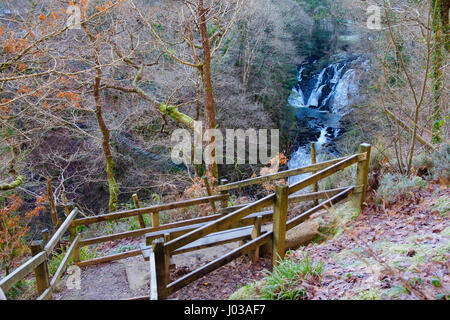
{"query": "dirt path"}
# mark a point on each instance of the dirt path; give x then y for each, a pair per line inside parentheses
(129, 278)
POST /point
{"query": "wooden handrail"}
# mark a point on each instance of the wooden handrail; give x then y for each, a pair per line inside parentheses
(153, 280)
(325, 173)
(60, 232)
(325, 194)
(305, 215)
(140, 211)
(7, 282)
(228, 220)
(60, 271)
(283, 174)
(219, 224)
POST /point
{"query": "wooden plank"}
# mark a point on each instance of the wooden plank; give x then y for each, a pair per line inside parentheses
(362, 174)
(63, 265)
(256, 232)
(76, 253)
(140, 211)
(214, 265)
(160, 268)
(153, 279)
(279, 223)
(305, 216)
(141, 232)
(60, 232)
(41, 271)
(284, 174)
(326, 194)
(314, 161)
(18, 274)
(325, 173)
(113, 257)
(177, 232)
(219, 224)
(216, 239)
(155, 219)
(137, 206)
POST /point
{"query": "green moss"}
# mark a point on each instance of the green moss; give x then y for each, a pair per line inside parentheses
(371, 294)
(442, 205)
(396, 291)
(247, 292)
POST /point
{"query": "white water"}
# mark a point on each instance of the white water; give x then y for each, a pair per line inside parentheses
(343, 89)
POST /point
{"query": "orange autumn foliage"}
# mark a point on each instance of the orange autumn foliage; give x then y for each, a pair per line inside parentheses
(13, 230)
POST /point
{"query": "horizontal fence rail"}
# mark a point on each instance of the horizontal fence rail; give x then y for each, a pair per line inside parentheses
(140, 211)
(283, 174)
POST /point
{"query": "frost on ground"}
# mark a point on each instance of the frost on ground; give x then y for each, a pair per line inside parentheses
(389, 251)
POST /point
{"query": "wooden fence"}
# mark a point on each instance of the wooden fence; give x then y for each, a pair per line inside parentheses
(185, 232)
(162, 248)
(39, 262)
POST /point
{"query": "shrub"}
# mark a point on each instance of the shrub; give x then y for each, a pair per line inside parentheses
(285, 281)
(436, 164)
(393, 186)
(13, 230)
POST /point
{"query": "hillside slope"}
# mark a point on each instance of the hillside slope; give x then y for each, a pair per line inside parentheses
(400, 251)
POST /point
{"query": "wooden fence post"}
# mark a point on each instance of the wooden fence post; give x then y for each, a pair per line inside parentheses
(51, 200)
(279, 223)
(209, 192)
(76, 251)
(224, 203)
(45, 235)
(137, 206)
(256, 232)
(167, 257)
(314, 161)
(160, 263)
(155, 219)
(41, 271)
(362, 174)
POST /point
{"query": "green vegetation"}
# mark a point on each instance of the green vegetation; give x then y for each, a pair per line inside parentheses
(395, 185)
(284, 282)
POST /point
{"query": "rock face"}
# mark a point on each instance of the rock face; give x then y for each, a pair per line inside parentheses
(296, 237)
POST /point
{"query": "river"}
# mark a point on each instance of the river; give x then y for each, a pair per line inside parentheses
(320, 99)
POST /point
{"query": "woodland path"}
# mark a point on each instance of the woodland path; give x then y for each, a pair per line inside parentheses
(129, 278)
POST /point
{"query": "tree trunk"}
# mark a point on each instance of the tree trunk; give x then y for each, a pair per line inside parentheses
(437, 66)
(112, 184)
(212, 169)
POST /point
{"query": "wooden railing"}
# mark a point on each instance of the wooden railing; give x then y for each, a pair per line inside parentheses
(164, 248)
(39, 262)
(154, 211)
(223, 219)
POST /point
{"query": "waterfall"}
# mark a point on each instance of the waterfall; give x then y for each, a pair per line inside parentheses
(329, 95)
